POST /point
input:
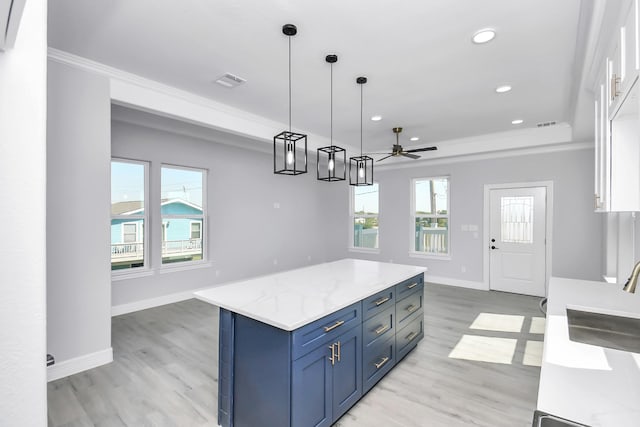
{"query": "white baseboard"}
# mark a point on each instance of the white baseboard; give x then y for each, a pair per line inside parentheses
(79, 364)
(117, 310)
(456, 282)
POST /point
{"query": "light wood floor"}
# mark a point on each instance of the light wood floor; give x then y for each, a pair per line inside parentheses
(165, 372)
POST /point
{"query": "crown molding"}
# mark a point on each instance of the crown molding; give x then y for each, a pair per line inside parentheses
(544, 149)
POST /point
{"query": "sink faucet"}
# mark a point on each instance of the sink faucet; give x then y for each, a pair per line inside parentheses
(631, 284)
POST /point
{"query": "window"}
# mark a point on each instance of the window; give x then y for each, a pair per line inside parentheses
(364, 217)
(183, 212)
(430, 216)
(128, 214)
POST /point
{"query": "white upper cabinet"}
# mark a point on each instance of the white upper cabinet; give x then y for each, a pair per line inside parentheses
(617, 120)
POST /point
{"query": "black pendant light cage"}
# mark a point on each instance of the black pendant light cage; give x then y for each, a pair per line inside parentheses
(361, 167)
(289, 148)
(332, 160)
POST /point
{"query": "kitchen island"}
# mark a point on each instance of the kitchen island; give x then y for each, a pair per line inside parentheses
(585, 383)
(299, 348)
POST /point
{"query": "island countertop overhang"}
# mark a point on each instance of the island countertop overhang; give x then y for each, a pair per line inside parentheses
(291, 299)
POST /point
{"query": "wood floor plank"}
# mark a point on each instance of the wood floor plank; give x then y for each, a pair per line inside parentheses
(165, 371)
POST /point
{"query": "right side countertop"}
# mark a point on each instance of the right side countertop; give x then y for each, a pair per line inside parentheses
(593, 385)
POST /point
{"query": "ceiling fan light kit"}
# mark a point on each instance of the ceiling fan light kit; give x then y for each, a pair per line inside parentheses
(331, 164)
(361, 167)
(289, 148)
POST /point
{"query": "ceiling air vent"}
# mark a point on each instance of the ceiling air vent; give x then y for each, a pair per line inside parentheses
(229, 80)
(546, 124)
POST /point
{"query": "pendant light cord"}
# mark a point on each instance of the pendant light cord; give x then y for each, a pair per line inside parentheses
(289, 87)
(331, 126)
(360, 120)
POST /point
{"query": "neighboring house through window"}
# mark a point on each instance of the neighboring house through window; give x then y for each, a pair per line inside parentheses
(183, 211)
(364, 211)
(430, 216)
(129, 189)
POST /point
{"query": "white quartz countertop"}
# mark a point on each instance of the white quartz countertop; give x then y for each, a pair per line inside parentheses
(291, 299)
(585, 383)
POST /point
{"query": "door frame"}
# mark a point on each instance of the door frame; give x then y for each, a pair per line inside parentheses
(548, 232)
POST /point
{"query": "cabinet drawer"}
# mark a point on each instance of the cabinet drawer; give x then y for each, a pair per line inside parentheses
(406, 288)
(323, 330)
(379, 328)
(407, 338)
(378, 302)
(409, 308)
(377, 363)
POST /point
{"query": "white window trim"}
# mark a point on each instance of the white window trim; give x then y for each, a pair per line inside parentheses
(136, 223)
(412, 225)
(191, 229)
(145, 269)
(353, 216)
(205, 261)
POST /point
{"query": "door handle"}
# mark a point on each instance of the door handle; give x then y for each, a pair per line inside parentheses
(494, 247)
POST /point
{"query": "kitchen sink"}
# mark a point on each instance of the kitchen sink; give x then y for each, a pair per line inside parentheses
(604, 330)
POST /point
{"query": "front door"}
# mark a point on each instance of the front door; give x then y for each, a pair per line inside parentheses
(517, 246)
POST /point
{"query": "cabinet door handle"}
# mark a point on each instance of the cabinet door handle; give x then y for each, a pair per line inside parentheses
(338, 351)
(411, 336)
(382, 362)
(382, 329)
(411, 308)
(332, 327)
(382, 301)
(413, 285)
(333, 354)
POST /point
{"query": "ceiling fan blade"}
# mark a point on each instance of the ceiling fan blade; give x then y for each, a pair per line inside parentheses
(411, 156)
(416, 150)
(379, 153)
(386, 157)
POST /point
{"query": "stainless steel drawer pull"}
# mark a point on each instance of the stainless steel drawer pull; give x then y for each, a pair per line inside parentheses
(382, 329)
(332, 327)
(338, 351)
(413, 285)
(382, 362)
(382, 301)
(333, 354)
(412, 308)
(411, 336)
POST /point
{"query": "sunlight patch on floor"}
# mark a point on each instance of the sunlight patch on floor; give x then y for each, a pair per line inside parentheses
(537, 325)
(533, 353)
(498, 322)
(485, 349)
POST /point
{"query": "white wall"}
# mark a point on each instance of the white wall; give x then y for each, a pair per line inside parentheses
(23, 72)
(246, 233)
(577, 230)
(78, 209)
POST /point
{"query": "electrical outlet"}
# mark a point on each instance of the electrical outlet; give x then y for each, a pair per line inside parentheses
(276, 205)
(275, 262)
(463, 269)
(217, 273)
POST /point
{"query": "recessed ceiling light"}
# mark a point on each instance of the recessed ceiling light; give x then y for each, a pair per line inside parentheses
(229, 80)
(483, 36)
(517, 122)
(415, 138)
(503, 88)
(376, 118)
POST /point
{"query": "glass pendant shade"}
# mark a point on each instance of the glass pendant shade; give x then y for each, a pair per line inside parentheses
(332, 164)
(289, 148)
(361, 167)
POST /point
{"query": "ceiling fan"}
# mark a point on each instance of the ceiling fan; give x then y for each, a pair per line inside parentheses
(397, 149)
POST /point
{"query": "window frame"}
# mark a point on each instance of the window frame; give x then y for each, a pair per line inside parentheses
(204, 241)
(353, 216)
(412, 215)
(146, 260)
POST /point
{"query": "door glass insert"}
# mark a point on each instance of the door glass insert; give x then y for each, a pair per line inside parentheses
(517, 219)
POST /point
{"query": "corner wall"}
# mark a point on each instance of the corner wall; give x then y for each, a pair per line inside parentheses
(78, 215)
(23, 97)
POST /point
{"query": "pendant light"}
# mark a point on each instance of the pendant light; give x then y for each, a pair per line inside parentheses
(361, 167)
(332, 165)
(288, 156)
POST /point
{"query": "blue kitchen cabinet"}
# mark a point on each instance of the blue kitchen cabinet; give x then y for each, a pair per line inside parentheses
(311, 376)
